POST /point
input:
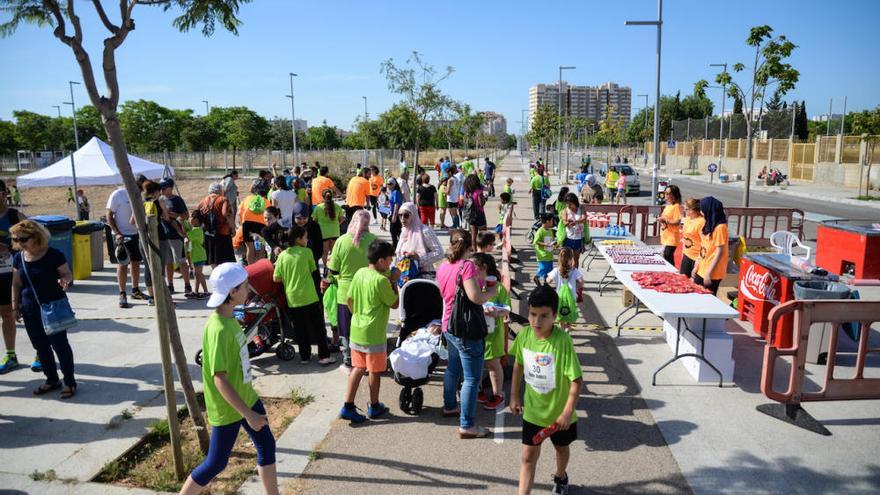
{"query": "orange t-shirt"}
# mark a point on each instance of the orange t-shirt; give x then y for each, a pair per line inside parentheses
(691, 235)
(709, 244)
(319, 185)
(246, 215)
(670, 235)
(357, 191)
(376, 183)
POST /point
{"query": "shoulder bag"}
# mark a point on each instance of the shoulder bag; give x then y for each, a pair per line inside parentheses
(57, 316)
(467, 320)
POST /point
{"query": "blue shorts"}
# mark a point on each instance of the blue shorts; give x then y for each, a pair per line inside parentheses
(198, 263)
(544, 268)
(576, 245)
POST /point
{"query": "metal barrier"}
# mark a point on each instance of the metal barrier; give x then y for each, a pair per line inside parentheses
(755, 224)
(806, 313)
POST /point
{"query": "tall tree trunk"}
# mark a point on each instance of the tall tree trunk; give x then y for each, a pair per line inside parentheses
(748, 163)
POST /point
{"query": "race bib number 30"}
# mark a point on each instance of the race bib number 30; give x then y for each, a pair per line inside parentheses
(539, 371)
(245, 357)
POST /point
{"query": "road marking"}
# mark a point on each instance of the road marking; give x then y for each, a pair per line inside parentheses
(818, 217)
(499, 425)
(641, 329)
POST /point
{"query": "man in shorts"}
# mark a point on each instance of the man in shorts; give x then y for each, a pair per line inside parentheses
(125, 233)
(171, 247)
(371, 297)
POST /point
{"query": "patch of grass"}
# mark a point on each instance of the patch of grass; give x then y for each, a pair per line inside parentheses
(286, 422)
(127, 414)
(300, 397)
(43, 476)
(867, 198)
(314, 455)
(160, 428)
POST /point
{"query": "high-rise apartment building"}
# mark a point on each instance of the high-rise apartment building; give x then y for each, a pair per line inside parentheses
(588, 102)
(494, 124)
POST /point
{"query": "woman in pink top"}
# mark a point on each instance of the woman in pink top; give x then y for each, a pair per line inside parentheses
(465, 355)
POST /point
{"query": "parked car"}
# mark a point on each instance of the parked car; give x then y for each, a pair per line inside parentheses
(633, 186)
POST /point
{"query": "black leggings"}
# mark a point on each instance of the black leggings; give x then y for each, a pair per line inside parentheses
(687, 266)
(669, 254)
(713, 286)
(395, 228)
(308, 326)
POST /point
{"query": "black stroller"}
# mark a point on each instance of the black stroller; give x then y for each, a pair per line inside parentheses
(420, 304)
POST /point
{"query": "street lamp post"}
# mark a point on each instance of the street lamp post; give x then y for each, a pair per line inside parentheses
(721, 132)
(659, 24)
(559, 128)
(72, 104)
(57, 107)
(207, 107)
(293, 121)
(366, 119)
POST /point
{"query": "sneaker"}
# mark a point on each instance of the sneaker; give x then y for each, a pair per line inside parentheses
(352, 415)
(151, 301)
(376, 411)
(137, 294)
(494, 403)
(8, 363)
(171, 289)
(560, 485)
(37, 366)
(327, 361)
(123, 301)
(481, 397)
(190, 295)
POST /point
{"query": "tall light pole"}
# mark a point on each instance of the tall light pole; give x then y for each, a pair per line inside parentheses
(366, 119)
(721, 131)
(293, 122)
(843, 116)
(72, 104)
(559, 128)
(659, 24)
(57, 107)
(646, 108)
(828, 124)
(207, 107)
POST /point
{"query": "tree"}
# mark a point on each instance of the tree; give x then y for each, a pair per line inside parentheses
(770, 69)
(543, 128)
(867, 123)
(775, 102)
(399, 125)
(8, 146)
(697, 105)
(193, 13)
(324, 137)
(31, 130)
(801, 124)
(239, 128)
(199, 134)
(280, 134)
(418, 84)
(737, 105)
(88, 124)
(148, 126)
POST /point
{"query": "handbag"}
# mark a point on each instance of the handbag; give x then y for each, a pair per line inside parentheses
(546, 193)
(467, 320)
(57, 316)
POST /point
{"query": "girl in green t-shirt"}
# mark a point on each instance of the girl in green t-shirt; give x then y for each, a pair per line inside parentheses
(230, 399)
(329, 216)
(496, 340)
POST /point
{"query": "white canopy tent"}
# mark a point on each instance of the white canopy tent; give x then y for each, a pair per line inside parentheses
(95, 166)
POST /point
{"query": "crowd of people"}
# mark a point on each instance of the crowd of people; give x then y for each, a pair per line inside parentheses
(334, 269)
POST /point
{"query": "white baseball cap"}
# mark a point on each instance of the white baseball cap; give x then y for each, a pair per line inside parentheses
(224, 278)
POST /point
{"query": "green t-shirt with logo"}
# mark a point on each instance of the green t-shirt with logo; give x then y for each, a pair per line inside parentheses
(549, 367)
(537, 182)
(224, 349)
(294, 267)
(495, 340)
(541, 235)
(372, 296)
(329, 226)
(347, 259)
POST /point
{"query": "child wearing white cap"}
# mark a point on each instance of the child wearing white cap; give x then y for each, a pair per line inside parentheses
(230, 399)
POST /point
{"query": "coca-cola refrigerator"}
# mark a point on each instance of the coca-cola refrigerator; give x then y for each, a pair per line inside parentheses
(766, 280)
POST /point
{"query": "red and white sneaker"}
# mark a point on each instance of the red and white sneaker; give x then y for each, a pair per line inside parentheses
(494, 403)
(481, 397)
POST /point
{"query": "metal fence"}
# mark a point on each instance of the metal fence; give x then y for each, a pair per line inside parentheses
(771, 125)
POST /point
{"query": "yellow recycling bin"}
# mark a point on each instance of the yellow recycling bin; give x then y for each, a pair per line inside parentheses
(82, 255)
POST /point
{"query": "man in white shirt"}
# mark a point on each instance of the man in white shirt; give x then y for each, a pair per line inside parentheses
(125, 233)
(454, 188)
(283, 199)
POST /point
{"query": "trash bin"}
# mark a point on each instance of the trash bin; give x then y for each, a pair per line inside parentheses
(60, 232)
(95, 231)
(820, 333)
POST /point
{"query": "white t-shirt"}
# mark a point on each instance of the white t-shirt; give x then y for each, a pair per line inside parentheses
(284, 201)
(573, 276)
(454, 189)
(119, 204)
(576, 231)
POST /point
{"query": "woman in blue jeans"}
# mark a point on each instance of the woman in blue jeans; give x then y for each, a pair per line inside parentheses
(465, 355)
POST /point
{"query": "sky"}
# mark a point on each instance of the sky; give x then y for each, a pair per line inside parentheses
(497, 48)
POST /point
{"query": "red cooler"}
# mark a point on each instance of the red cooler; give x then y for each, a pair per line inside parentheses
(766, 280)
(849, 247)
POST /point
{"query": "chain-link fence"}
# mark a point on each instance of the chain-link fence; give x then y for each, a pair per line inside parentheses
(775, 124)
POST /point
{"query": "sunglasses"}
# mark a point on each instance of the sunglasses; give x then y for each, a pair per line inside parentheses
(20, 239)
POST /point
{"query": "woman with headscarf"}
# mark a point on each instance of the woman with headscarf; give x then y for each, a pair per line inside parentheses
(712, 265)
(591, 193)
(418, 242)
(348, 256)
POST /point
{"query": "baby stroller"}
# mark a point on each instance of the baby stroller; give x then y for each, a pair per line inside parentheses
(420, 304)
(262, 317)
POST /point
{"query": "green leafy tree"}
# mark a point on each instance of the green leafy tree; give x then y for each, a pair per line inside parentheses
(371, 134)
(544, 127)
(801, 123)
(67, 27)
(697, 105)
(280, 134)
(89, 125)
(400, 125)
(199, 134)
(769, 70)
(419, 85)
(239, 128)
(148, 126)
(867, 123)
(32, 130)
(324, 137)
(8, 145)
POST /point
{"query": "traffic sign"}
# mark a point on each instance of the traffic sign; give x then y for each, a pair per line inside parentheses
(670, 144)
(713, 168)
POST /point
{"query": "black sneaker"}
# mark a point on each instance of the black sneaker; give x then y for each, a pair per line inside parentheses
(123, 301)
(560, 485)
(137, 294)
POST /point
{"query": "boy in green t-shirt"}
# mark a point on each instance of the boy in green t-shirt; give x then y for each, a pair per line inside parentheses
(546, 359)
(296, 269)
(230, 399)
(371, 295)
(545, 241)
(195, 252)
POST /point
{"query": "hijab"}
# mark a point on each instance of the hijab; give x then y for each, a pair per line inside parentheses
(359, 225)
(411, 238)
(713, 212)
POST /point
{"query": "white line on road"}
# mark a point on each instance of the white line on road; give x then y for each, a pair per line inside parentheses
(498, 433)
(818, 217)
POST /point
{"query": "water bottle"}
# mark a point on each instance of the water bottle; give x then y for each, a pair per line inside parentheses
(257, 244)
(607, 230)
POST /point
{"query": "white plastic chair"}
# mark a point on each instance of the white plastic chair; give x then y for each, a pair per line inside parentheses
(784, 242)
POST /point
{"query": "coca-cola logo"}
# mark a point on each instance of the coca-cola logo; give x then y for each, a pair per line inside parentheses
(758, 286)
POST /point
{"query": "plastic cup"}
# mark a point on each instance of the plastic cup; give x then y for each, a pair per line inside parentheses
(491, 281)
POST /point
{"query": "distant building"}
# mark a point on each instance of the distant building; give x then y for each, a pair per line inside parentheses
(824, 117)
(301, 125)
(588, 102)
(495, 124)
